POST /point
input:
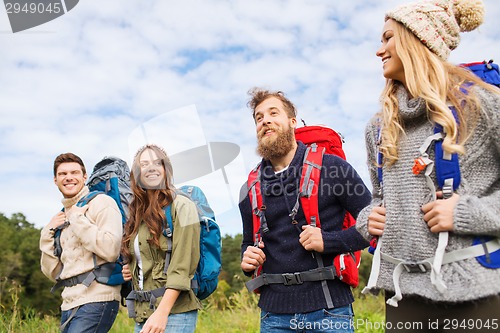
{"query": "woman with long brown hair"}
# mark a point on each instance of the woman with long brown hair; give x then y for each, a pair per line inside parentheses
(161, 268)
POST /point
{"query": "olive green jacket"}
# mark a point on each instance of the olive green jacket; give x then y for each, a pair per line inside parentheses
(183, 262)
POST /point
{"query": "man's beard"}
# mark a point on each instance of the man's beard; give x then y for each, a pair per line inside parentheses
(278, 147)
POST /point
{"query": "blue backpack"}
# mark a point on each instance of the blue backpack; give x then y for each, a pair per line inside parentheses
(111, 176)
(486, 71)
(206, 277)
(448, 169)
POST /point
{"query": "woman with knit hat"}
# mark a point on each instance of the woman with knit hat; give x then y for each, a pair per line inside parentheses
(419, 221)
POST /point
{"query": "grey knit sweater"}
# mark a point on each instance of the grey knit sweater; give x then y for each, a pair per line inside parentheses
(406, 235)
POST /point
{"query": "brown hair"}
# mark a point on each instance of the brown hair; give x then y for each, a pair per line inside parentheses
(147, 204)
(259, 95)
(68, 158)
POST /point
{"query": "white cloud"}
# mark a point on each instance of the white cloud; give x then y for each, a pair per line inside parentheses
(85, 81)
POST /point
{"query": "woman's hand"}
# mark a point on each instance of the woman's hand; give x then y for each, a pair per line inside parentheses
(157, 322)
(438, 214)
(376, 221)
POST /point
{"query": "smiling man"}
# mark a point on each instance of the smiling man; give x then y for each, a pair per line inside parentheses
(290, 247)
(89, 236)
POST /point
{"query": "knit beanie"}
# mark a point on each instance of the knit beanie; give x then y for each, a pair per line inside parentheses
(438, 23)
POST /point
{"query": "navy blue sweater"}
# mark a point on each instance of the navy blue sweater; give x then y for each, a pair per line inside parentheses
(340, 189)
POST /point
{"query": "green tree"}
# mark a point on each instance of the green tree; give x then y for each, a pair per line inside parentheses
(20, 266)
(231, 258)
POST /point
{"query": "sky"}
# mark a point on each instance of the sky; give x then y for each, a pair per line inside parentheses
(109, 76)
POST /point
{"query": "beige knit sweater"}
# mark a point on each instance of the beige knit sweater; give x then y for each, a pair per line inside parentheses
(99, 231)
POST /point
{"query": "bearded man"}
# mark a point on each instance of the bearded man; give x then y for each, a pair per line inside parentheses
(291, 246)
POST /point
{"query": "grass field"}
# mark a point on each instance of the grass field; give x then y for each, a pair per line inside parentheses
(236, 313)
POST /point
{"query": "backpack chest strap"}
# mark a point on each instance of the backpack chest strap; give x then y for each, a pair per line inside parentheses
(143, 296)
(429, 265)
(99, 273)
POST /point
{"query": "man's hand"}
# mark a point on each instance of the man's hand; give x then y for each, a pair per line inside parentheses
(253, 257)
(439, 213)
(127, 274)
(57, 220)
(312, 239)
(376, 221)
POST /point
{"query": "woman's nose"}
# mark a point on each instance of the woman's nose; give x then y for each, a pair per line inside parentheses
(380, 52)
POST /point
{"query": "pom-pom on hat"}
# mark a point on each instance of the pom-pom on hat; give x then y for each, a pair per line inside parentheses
(438, 23)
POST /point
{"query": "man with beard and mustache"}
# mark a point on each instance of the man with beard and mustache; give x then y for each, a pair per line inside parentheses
(291, 245)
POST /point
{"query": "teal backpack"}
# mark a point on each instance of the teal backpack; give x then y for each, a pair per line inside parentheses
(206, 277)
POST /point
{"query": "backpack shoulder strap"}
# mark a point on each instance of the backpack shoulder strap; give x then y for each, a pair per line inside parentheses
(168, 231)
(169, 226)
(446, 164)
(309, 184)
(87, 198)
(258, 207)
(308, 196)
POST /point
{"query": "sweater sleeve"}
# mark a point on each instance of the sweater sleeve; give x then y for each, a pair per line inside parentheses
(185, 245)
(100, 229)
(477, 211)
(377, 199)
(50, 264)
(341, 180)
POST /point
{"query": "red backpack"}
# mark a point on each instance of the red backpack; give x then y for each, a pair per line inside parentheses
(320, 140)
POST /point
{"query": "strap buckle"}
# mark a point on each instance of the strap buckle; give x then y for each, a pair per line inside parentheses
(417, 267)
(291, 279)
(420, 165)
(142, 296)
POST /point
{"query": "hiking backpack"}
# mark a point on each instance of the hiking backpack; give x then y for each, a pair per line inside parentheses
(207, 272)
(485, 249)
(206, 276)
(319, 140)
(487, 71)
(110, 176)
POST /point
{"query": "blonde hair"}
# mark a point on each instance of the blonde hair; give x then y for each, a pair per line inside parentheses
(437, 82)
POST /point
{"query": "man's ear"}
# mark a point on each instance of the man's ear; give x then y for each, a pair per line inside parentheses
(293, 122)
